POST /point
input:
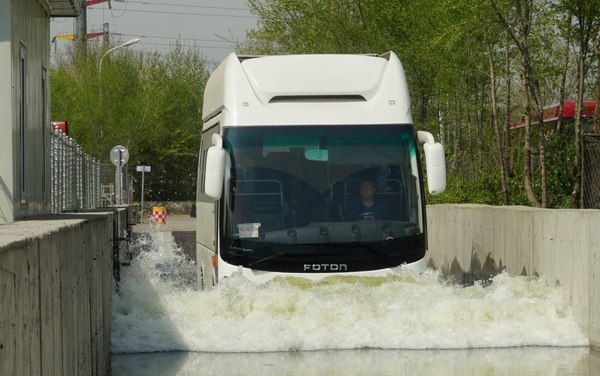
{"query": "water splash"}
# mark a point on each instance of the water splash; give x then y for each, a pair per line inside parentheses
(158, 309)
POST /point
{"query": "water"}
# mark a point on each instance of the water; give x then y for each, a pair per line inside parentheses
(524, 361)
(350, 325)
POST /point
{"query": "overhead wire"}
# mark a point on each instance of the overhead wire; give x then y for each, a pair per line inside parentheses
(181, 13)
(113, 14)
(173, 38)
(127, 9)
(185, 46)
(182, 5)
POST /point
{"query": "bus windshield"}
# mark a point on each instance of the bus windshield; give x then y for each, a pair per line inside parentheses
(308, 194)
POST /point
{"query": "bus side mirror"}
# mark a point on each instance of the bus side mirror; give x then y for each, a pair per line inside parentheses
(435, 162)
(214, 168)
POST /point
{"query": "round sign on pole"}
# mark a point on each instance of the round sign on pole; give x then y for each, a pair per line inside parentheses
(119, 155)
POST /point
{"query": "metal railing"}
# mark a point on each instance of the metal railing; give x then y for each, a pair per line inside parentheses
(74, 177)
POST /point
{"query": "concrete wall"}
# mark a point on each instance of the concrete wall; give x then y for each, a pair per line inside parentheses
(474, 241)
(55, 294)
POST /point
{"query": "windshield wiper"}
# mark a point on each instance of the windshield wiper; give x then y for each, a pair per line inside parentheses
(350, 245)
(276, 255)
(270, 257)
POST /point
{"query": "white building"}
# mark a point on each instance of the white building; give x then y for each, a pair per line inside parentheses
(25, 104)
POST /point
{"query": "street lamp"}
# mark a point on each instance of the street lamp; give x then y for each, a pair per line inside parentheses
(128, 43)
(119, 170)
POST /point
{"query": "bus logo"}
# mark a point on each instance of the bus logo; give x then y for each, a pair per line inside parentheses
(326, 267)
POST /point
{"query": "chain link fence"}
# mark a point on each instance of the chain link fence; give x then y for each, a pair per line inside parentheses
(74, 177)
(108, 176)
(79, 181)
(591, 172)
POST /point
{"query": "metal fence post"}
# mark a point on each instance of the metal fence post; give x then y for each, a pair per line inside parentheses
(74, 175)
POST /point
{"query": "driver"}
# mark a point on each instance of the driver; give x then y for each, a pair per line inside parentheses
(369, 206)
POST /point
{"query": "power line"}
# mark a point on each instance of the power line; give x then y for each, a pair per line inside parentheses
(178, 13)
(113, 15)
(185, 5)
(172, 38)
(170, 44)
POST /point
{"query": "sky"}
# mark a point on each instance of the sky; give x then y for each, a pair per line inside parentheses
(210, 25)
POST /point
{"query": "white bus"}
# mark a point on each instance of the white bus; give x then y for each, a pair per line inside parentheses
(309, 167)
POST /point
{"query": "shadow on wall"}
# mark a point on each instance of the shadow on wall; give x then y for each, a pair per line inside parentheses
(477, 271)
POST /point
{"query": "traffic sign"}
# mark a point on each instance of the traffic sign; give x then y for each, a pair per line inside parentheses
(119, 155)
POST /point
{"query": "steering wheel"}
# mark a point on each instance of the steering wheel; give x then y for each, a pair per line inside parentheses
(368, 216)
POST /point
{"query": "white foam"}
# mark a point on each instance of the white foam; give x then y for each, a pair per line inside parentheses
(156, 310)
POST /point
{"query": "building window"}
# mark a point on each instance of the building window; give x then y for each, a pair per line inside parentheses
(23, 123)
(45, 136)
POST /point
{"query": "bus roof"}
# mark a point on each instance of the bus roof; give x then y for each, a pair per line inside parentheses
(269, 87)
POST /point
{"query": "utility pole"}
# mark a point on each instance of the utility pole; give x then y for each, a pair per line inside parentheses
(81, 30)
(142, 169)
(106, 37)
(80, 26)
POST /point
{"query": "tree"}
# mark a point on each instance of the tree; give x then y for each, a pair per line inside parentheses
(458, 57)
(587, 16)
(149, 103)
(518, 27)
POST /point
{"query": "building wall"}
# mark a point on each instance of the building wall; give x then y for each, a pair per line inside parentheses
(24, 109)
(6, 115)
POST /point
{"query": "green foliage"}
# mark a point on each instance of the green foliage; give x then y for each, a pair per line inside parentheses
(148, 103)
(485, 190)
(448, 49)
(151, 104)
(560, 158)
